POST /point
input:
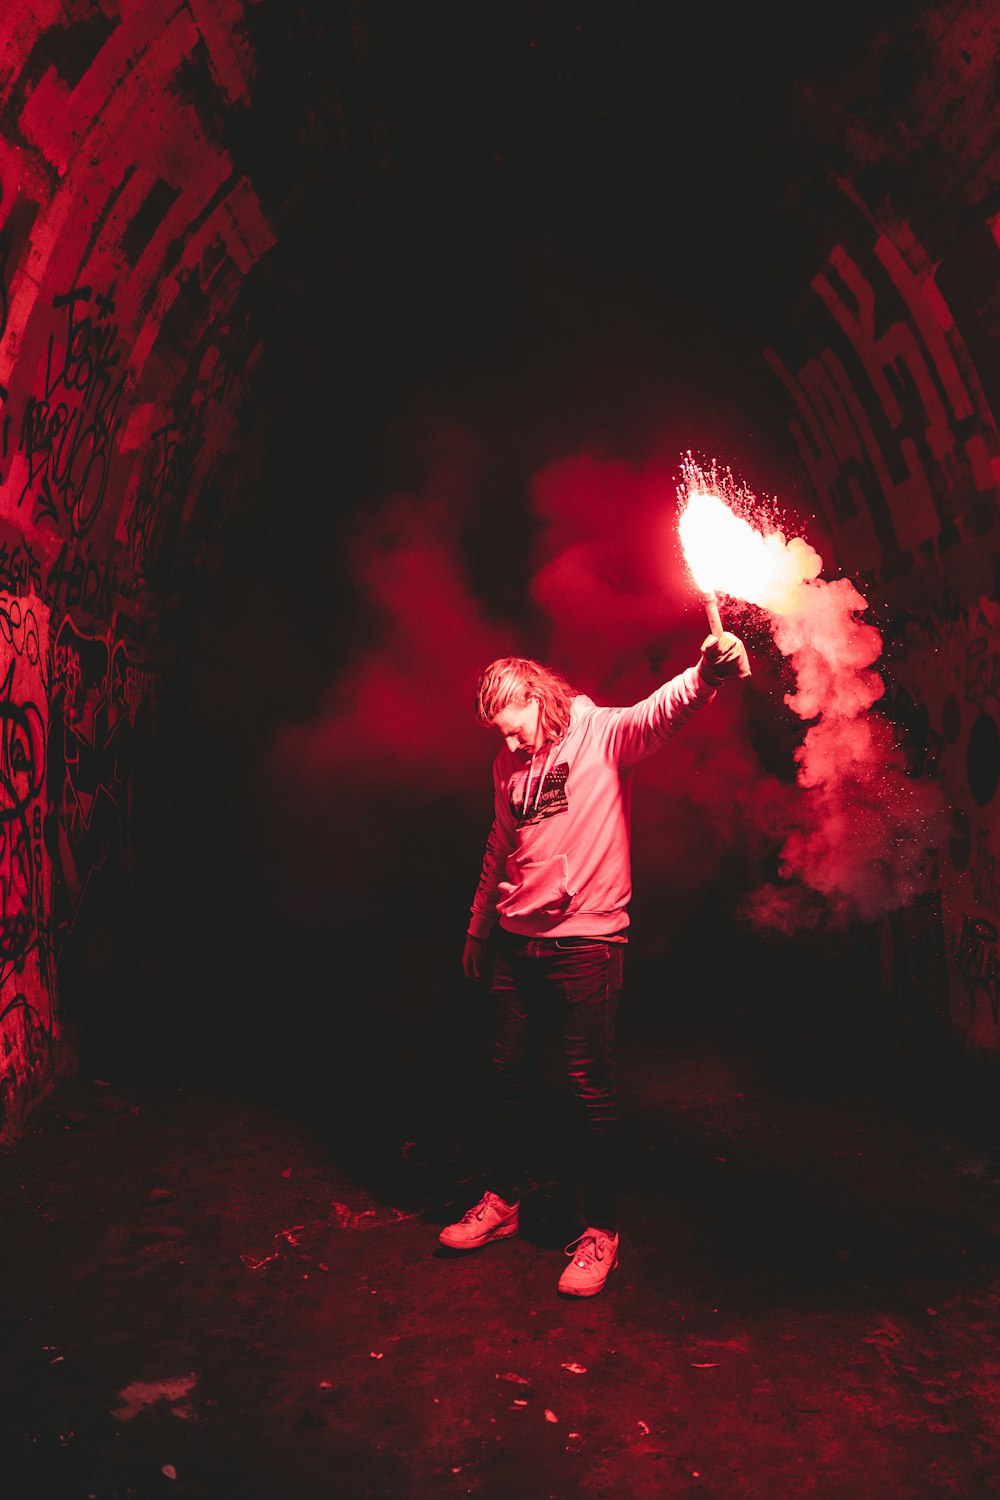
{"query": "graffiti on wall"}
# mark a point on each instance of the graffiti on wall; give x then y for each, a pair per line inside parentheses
(128, 234)
(943, 697)
(68, 429)
(27, 1015)
(126, 238)
(896, 436)
(890, 419)
(978, 964)
(102, 697)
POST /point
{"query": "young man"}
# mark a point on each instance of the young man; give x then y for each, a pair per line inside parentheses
(556, 879)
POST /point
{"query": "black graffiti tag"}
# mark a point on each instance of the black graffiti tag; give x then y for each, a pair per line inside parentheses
(162, 490)
(4, 293)
(68, 432)
(75, 581)
(19, 628)
(22, 772)
(19, 569)
(35, 1052)
(982, 673)
(978, 965)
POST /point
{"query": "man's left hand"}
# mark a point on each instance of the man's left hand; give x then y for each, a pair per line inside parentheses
(722, 658)
(473, 958)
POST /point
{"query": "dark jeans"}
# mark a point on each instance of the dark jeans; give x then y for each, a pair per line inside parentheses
(574, 984)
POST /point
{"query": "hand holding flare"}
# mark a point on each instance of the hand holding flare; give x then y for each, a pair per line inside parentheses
(704, 529)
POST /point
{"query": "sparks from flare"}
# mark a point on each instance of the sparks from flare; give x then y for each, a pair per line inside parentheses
(728, 554)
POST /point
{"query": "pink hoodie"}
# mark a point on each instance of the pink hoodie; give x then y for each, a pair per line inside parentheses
(557, 858)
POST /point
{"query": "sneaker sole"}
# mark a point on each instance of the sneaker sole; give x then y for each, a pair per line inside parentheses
(505, 1233)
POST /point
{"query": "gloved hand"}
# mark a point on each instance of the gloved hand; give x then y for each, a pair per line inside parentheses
(723, 658)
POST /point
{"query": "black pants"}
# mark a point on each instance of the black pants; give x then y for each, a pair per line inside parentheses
(575, 983)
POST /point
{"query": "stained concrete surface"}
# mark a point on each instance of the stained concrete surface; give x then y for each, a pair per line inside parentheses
(231, 1286)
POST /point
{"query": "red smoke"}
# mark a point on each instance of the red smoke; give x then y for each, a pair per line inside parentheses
(605, 569)
(865, 830)
(395, 732)
(616, 611)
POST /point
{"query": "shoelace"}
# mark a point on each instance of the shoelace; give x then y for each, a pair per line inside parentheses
(477, 1211)
(584, 1249)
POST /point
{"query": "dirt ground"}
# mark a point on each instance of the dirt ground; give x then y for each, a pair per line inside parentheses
(232, 1287)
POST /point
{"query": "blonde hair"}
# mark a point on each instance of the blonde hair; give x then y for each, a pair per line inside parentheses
(517, 679)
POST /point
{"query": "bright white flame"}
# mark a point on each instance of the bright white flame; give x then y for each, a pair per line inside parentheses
(726, 553)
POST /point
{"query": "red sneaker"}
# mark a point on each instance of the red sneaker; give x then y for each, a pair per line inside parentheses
(595, 1255)
(490, 1219)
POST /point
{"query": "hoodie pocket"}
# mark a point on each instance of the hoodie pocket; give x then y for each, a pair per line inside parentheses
(535, 886)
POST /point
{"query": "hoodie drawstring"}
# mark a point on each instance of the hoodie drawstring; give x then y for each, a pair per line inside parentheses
(525, 812)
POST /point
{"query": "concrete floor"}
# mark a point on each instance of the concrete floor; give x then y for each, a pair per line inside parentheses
(235, 1289)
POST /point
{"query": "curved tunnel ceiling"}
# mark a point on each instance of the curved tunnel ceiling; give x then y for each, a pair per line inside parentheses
(559, 223)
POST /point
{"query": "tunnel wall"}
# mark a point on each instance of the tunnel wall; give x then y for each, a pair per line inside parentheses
(891, 387)
(128, 237)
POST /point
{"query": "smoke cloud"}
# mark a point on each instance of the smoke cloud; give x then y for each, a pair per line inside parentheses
(390, 777)
(362, 799)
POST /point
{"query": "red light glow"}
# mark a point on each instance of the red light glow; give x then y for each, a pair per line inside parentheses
(725, 553)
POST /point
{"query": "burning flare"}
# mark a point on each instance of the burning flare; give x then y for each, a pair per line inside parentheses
(863, 827)
(728, 555)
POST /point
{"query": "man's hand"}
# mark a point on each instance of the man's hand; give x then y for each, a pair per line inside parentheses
(472, 957)
(722, 658)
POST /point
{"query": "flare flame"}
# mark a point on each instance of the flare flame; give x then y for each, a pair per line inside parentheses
(726, 554)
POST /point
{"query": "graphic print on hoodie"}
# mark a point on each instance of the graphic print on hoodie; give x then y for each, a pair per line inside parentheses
(548, 800)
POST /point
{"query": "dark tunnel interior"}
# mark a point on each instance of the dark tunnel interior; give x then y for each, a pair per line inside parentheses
(555, 212)
(569, 246)
(347, 346)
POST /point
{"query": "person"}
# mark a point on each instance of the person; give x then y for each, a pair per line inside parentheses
(555, 885)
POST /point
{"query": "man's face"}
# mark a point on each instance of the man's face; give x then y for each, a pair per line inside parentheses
(519, 723)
